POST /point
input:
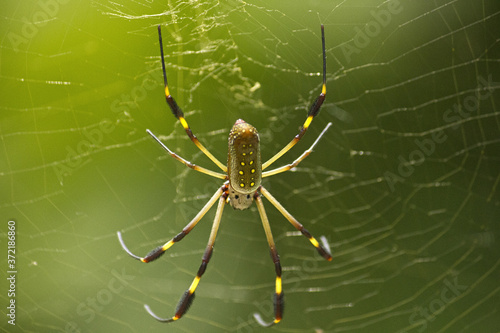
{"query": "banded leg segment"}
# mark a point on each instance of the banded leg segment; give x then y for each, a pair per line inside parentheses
(186, 162)
(176, 110)
(298, 160)
(156, 253)
(279, 301)
(188, 296)
(322, 250)
(313, 111)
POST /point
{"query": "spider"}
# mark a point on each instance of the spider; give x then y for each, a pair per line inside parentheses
(242, 186)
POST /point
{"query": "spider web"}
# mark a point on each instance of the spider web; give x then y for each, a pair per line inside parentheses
(404, 185)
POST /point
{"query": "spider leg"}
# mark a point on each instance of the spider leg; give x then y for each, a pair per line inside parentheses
(298, 160)
(313, 111)
(188, 296)
(186, 162)
(278, 295)
(324, 250)
(156, 253)
(176, 110)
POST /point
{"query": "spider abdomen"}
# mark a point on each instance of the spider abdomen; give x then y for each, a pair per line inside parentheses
(244, 166)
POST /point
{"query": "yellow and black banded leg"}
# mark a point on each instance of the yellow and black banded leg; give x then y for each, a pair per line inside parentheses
(186, 162)
(279, 300)
(188, 296)
(176, 110)
(156, 253)
(313, 111)
(298, 160)
(324, 250)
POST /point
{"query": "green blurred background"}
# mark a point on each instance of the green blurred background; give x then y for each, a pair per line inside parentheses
(405, 184)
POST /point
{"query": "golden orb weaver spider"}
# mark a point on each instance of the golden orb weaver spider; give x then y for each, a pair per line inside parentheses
(242, 186)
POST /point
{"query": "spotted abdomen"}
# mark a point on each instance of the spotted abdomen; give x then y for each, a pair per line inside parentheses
(244, 166)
